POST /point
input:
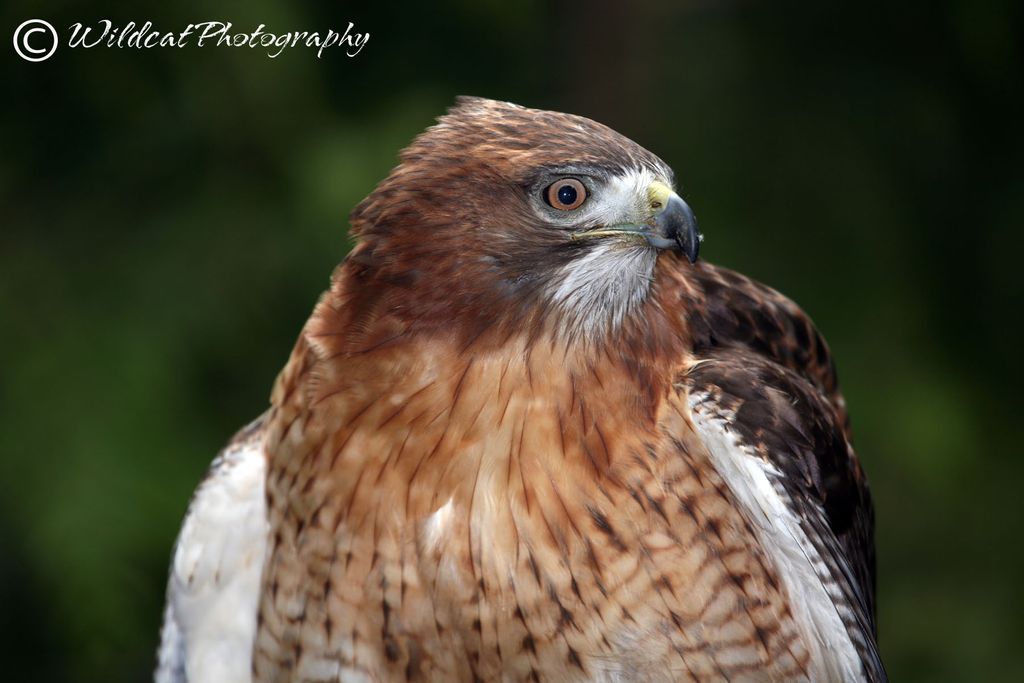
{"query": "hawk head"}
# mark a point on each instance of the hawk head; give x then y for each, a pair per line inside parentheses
(503, 213)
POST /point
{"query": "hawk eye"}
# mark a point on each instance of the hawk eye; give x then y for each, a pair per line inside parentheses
(565, 194)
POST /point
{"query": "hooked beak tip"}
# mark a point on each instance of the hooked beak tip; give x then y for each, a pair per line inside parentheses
(675, 227)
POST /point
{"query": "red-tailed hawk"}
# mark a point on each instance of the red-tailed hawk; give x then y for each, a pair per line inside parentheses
(526, 436)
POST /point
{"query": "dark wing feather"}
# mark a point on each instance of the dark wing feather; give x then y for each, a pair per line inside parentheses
(730, 310)
(770, 369)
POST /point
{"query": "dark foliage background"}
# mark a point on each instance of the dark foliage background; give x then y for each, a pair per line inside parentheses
(168, 218)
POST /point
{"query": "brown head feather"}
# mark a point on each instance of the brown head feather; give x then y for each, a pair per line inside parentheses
(453, 234)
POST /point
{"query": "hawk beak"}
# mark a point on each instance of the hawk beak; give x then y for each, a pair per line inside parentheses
(671, 225)
(675, 227)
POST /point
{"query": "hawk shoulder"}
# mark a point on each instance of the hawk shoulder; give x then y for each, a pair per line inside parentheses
(213, 589)
(764, 397)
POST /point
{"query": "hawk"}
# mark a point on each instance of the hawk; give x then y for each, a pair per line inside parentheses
(526, 436)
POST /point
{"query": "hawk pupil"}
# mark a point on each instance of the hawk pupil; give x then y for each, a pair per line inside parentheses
(567, 195)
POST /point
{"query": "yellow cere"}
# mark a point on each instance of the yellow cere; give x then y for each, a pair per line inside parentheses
(658, 194)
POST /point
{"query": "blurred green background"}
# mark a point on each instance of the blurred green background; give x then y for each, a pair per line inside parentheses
(168, 218)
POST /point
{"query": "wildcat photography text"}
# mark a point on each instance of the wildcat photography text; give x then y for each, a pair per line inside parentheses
(37, 40)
